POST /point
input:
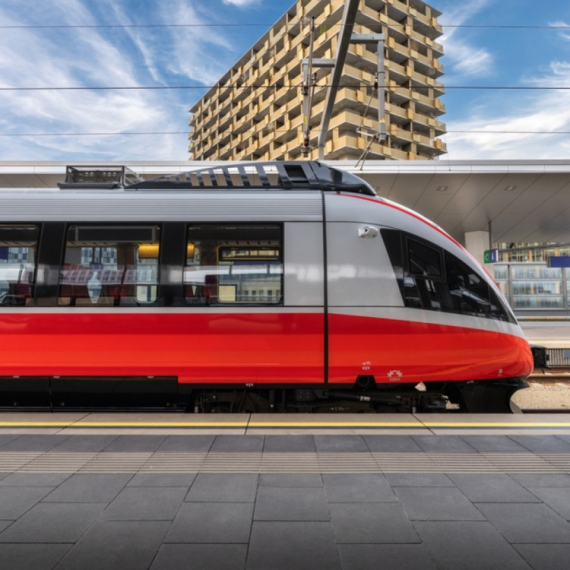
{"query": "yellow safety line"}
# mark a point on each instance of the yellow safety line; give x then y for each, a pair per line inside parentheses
(80, 424)
(335, 424)
(122, 424)
(497, 424)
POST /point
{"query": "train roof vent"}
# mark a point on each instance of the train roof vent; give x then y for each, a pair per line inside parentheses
(296, 175)
(101, 177)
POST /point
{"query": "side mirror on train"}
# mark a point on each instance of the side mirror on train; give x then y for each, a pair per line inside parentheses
(368, 232)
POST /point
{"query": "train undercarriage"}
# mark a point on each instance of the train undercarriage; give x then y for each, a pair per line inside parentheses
(149, 393)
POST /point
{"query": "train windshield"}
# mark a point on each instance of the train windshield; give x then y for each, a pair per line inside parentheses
(431, 278)
(18, 245)
(234, 265)
(110, 266)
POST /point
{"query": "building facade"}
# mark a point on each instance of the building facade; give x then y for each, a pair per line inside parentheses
(254, 112)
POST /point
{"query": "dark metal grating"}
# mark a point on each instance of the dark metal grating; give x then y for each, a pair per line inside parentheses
(296, 175)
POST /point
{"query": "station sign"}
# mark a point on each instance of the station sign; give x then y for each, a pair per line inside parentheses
(491, 256)
(558, 261)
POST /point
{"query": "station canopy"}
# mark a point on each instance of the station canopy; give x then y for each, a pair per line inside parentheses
(520, 200)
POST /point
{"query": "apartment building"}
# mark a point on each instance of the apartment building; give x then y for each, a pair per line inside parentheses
(254, 112)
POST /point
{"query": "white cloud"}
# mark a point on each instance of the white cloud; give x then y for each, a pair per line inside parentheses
(546, 111)
(464, 60)
(564, 34)
(241, 3)
(95, 57)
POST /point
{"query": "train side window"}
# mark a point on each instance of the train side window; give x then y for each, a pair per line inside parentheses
(470, 292)
(18, 252)
(430, 278)
(234, 265)
(424, 261)
(110, 266)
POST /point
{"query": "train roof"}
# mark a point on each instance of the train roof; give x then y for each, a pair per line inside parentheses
(286, 175)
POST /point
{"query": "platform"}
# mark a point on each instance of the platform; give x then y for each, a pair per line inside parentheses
(551, 334)
(424, 501)
(92, 423)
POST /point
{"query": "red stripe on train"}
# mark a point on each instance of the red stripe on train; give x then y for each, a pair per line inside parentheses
(252, 348)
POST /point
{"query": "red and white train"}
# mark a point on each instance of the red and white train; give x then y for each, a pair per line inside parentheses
(260, 287)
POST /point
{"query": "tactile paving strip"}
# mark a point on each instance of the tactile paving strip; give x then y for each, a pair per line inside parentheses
(302, 462)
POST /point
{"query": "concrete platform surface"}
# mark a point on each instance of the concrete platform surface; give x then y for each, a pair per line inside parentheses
(248, 502)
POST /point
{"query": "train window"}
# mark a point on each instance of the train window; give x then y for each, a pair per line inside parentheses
(110, 266)
(423, 260)
(431, 279)
(18, 246)
(233, 265)
(471, 294)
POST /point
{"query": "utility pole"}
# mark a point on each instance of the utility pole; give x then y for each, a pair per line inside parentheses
(309, 82)
(345, 38)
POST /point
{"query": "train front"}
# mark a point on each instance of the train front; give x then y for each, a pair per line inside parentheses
(424, 323)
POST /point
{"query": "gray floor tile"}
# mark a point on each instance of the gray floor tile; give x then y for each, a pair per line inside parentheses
(542, 479)
(390, 443)
(291, 504)
(353, 443)
(162, 480)
(290, 480)
(200, 557)
(34, 442)
(34, 479)
(492, 488)
(358, 488)
(492, 443)
(442, 444)
(374, 523)
(468, 546)
(557, 498)
(15, 502)
(223, 487)
(5, 524)
(436, 504)
(545, 556)
(208, 523)
(146, 504)
(238, 443)
(57, 523)
(289, 443)
(385, 556)
(528, 523)
(7, 438)
(85, 443)
(419, 480)
(31, 556)
(138, 443)
(89, 488)
(542, 443)
(116, 545)
(292, 545)
(187, 443)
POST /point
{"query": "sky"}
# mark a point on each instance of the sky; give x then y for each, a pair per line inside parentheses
(57, 44)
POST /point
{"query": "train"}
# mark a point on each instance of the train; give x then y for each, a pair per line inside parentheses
(246, 287)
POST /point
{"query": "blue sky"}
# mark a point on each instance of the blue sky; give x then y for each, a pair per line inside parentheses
(197, 56)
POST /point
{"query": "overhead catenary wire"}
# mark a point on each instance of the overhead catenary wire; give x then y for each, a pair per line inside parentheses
(268, 25)
(351, 85)
(146, 133)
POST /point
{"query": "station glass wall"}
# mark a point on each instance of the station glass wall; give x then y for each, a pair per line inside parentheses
(534, 286)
